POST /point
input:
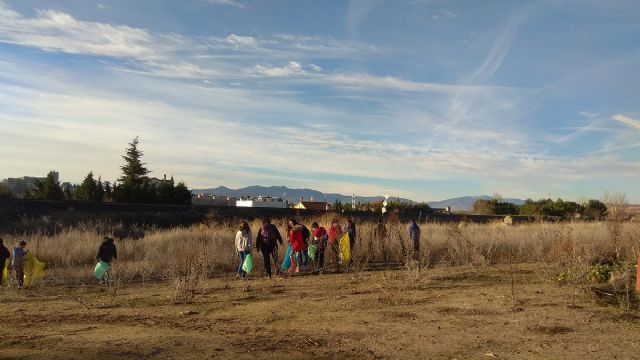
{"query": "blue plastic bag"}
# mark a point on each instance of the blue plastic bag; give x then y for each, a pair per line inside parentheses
(286, 264)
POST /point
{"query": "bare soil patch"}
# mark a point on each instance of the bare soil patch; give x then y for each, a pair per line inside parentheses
(442, 313)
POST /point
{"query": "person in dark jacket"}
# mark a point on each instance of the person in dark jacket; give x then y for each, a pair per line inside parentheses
(320, 238)
(267, 240)
(4, 256)
(351, 229)
(414, 236)
(107, 251)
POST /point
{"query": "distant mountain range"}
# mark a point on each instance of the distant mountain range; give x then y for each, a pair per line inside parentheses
(294, 195)
(465, 203)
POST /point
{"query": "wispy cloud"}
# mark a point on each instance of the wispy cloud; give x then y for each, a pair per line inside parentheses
(292, 68)
(631, 122)
(242, 41)
(249, 105)
(499, 49)
(56, 31)
(235, 3)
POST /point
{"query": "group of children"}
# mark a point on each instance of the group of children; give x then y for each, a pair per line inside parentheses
(14, 260)
(305, 245)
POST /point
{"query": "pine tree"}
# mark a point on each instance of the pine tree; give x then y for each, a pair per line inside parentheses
(99, 195)
(47, 189)
(166, 190)
(134, 171)
(87, 190)
(182, 194)
(108, 192)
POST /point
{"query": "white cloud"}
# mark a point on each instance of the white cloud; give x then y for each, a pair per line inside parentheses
(235, 3)
(242, 41)
(315, 67)
(365, 81)
(292, 68)
(634, 123)
(56, 31)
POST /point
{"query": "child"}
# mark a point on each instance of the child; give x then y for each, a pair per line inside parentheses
(320, 238)
(296, 239)
(244, 243)
(18, 262)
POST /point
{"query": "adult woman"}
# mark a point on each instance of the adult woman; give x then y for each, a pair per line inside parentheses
(244, 244)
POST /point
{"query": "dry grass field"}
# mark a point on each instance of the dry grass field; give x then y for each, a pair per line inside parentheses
(441, 313)
(535, 291)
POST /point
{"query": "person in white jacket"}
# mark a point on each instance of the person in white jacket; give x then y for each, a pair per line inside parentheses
(244, 244)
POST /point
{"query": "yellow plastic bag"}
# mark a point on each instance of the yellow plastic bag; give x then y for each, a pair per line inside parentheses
(345, 248)
(5, 273)
(33, 269)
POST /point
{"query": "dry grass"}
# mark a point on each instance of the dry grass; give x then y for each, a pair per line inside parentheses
(495, 284)
(448, 312)
(210, 248)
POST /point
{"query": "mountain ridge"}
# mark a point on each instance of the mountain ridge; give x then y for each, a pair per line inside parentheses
(462, 203)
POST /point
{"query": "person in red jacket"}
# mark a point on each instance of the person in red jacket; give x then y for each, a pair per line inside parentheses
(320, 238)
(296, 239)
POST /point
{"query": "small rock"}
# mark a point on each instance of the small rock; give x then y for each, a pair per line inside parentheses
(189, 312)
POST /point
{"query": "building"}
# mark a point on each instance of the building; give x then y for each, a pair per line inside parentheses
(262, 202)
(212, 200)
(19, 186)
(312, 205)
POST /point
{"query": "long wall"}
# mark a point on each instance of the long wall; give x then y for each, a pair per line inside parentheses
(19, 216)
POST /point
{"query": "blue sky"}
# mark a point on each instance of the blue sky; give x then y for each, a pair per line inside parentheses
(422, 99)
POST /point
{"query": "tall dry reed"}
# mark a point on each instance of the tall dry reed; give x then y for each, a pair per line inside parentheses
(162, 254)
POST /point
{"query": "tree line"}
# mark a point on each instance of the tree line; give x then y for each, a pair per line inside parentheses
(134, 186)
(588, 209)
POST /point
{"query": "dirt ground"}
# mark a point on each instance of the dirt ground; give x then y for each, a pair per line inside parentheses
(443, 313)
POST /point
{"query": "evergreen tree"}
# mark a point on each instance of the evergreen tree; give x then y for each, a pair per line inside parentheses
(87, 190)
(47, 189)
(99, 195)
(134, 171)
(595, 209)
(182, 194)
(90, 189)
(5, 192)
(135, 186)
(108, 192)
